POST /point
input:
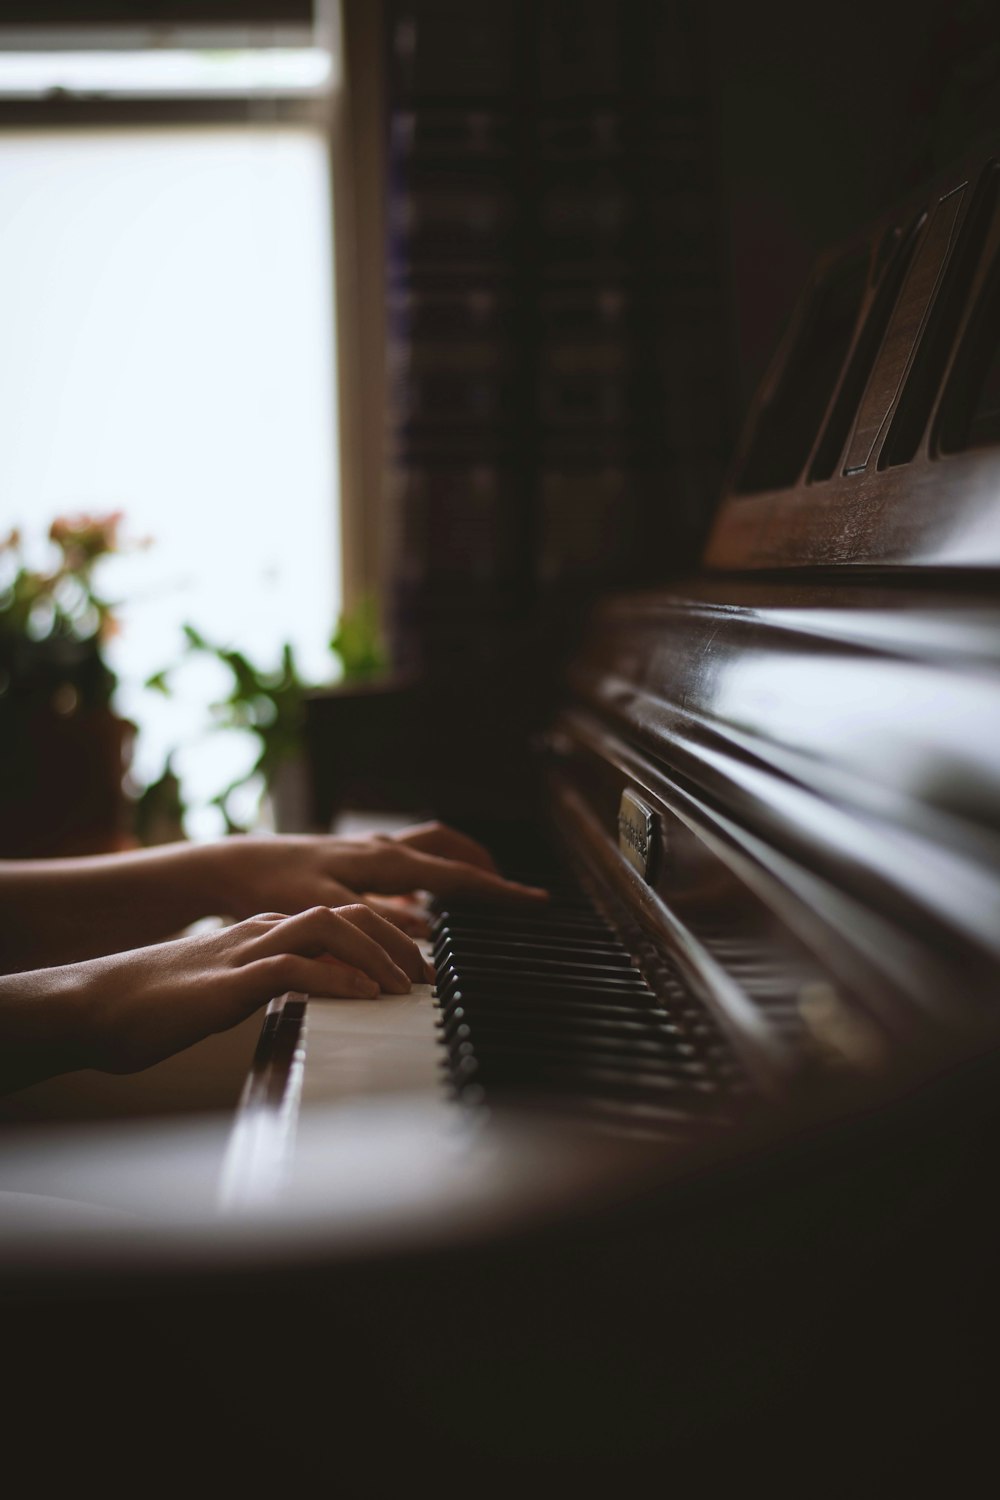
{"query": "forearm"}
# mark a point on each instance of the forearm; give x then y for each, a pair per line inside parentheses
(58, 911)
(45, 1026)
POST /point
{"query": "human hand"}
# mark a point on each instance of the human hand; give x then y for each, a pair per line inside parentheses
(124, 1012)
(296, 871)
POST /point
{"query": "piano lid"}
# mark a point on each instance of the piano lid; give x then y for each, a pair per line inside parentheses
(883, 397)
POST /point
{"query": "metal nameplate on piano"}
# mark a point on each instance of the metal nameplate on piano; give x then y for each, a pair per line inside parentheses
(637, 824)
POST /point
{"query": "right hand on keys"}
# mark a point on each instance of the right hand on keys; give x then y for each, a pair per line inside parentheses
(126, 1011)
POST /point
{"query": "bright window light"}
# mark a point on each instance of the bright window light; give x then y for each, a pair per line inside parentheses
(168, 349)
(154, 73)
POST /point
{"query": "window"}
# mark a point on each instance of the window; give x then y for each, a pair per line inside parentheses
(166, 295)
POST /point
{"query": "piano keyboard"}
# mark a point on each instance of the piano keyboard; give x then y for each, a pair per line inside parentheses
(551, 1008)
(545, 1010)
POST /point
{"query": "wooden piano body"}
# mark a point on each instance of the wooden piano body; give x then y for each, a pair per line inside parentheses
(779, 783)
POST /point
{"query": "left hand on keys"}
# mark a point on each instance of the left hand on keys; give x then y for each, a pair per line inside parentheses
(292, 872)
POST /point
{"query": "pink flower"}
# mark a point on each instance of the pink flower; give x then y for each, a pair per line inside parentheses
(82, 538)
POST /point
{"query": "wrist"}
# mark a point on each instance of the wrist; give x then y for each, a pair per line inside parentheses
(215, 872)
(182, 879)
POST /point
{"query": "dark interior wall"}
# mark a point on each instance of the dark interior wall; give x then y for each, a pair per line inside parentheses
(558, 339)
(557, 350)
(826, 114)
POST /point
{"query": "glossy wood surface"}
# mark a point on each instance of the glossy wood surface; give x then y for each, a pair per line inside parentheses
(878, 479)
(823, 761)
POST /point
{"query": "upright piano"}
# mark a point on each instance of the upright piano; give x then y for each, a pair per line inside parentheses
(695, 1168)
(768, 799)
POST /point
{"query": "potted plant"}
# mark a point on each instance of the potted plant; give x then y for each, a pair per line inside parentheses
(272, 705)
(63, 750)
(268, 704)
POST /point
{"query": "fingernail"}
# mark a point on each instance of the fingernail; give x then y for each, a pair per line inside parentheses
(366, 986)
(429, 973)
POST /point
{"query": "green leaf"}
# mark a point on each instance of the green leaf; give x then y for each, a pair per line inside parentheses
(357, 641)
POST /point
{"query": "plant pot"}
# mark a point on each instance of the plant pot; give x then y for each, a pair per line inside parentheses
(289, 797)
(61, 780)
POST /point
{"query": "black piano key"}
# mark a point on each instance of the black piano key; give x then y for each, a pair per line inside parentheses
(484, 971)
(636, 1021)
(526, 963)
(482, 921)
(542, 946)
(478, 987)
(540, 937)
(456, 952)
(524, 1007)
(566, 1023)
(517, 1074)
(541, 943)
(628, 1057)
(591, 1030)
(561, 937)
